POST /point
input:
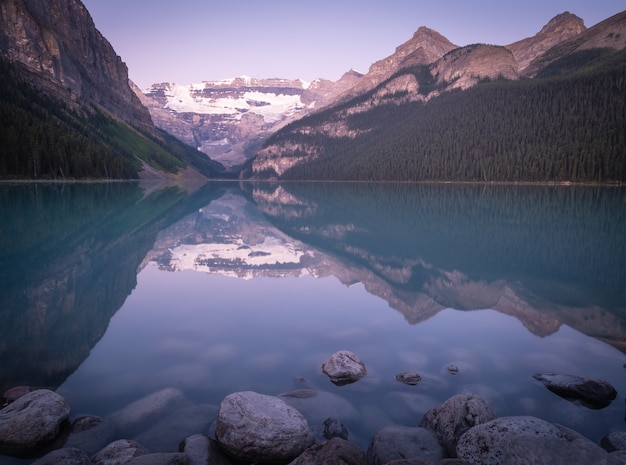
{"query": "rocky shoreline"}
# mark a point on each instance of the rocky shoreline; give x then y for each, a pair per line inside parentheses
(165, 428)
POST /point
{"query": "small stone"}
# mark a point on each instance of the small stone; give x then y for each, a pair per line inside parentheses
(408, 377)
(613, 441)
(592, 393)
(14, 393)
(344, 367)
(333, 428)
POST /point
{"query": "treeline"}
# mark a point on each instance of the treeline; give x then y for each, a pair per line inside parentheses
(42, 138)
(552, 129)
(528, 233)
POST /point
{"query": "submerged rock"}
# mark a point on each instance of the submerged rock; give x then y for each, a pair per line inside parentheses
(14, 393)
(525, 439)
(451, 419)
(592, 393)
(318, 406)
(143, 413)
(32, 421)
(333, 428)
(256, 427)
(408, 377)
(65, 456)
(336, 451)
(118, 452)
(166, 435)
(90, 434)
(203, 450)
(344, 367)
(403, 442)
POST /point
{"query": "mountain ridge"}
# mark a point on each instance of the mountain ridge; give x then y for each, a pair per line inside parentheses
(359, 136)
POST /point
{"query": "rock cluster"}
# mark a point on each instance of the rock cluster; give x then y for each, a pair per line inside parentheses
(301, 427)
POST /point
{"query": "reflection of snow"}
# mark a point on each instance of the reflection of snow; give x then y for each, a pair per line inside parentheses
(215, 257)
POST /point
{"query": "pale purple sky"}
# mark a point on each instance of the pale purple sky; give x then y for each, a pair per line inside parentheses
(189, 41)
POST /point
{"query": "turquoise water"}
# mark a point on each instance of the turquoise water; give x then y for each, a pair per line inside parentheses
(110, 293)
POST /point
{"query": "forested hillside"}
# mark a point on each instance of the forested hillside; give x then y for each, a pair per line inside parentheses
(42, 138)
(566, 125)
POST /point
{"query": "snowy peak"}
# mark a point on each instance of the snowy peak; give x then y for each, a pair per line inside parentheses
(273, 99)
(225, 118)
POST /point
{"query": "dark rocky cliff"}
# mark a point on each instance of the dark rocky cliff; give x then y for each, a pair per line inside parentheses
(58, 43)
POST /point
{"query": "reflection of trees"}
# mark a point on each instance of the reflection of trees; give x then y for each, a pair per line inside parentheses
(545, 254)
(571, 237)
(68, 259)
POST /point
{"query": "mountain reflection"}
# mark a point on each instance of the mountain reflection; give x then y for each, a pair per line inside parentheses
(70, 254)
(546, 255)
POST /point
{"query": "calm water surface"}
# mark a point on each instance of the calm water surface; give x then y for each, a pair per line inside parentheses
(110, 292)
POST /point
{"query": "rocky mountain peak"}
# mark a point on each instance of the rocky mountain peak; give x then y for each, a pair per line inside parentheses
(610, 33)
(565, 22)
(425, 47)
(562, 27)
(58, 43)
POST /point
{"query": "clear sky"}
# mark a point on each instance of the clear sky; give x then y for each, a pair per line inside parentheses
(189, 41)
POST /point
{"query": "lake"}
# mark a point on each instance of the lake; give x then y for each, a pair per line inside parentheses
(113, 291)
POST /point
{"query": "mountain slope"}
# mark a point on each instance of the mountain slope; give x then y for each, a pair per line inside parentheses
(68, 110)
(419, 125)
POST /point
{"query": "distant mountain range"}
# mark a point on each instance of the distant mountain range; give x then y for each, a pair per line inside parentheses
(393, 123)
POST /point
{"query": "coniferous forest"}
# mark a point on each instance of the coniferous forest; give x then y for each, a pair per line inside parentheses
(561, 126)
(42, 138)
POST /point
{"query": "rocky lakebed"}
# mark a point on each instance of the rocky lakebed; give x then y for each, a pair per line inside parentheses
(166, 428)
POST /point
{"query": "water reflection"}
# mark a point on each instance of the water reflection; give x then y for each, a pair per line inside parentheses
(546, 255)
(69, 255)
(114, 292)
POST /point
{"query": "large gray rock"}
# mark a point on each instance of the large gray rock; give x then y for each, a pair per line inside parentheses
(166, 435)
(337, 451)
(344, 367)
(592, 393)
(90, 434)
(256, 427)
(403, 442)
(118, 452)
(32, 421)
(449, 420)
(65, 456)
(524, 440)
(145, 412)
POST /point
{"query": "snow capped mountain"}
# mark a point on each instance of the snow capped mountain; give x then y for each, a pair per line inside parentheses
(230, 97)
(228, 118)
